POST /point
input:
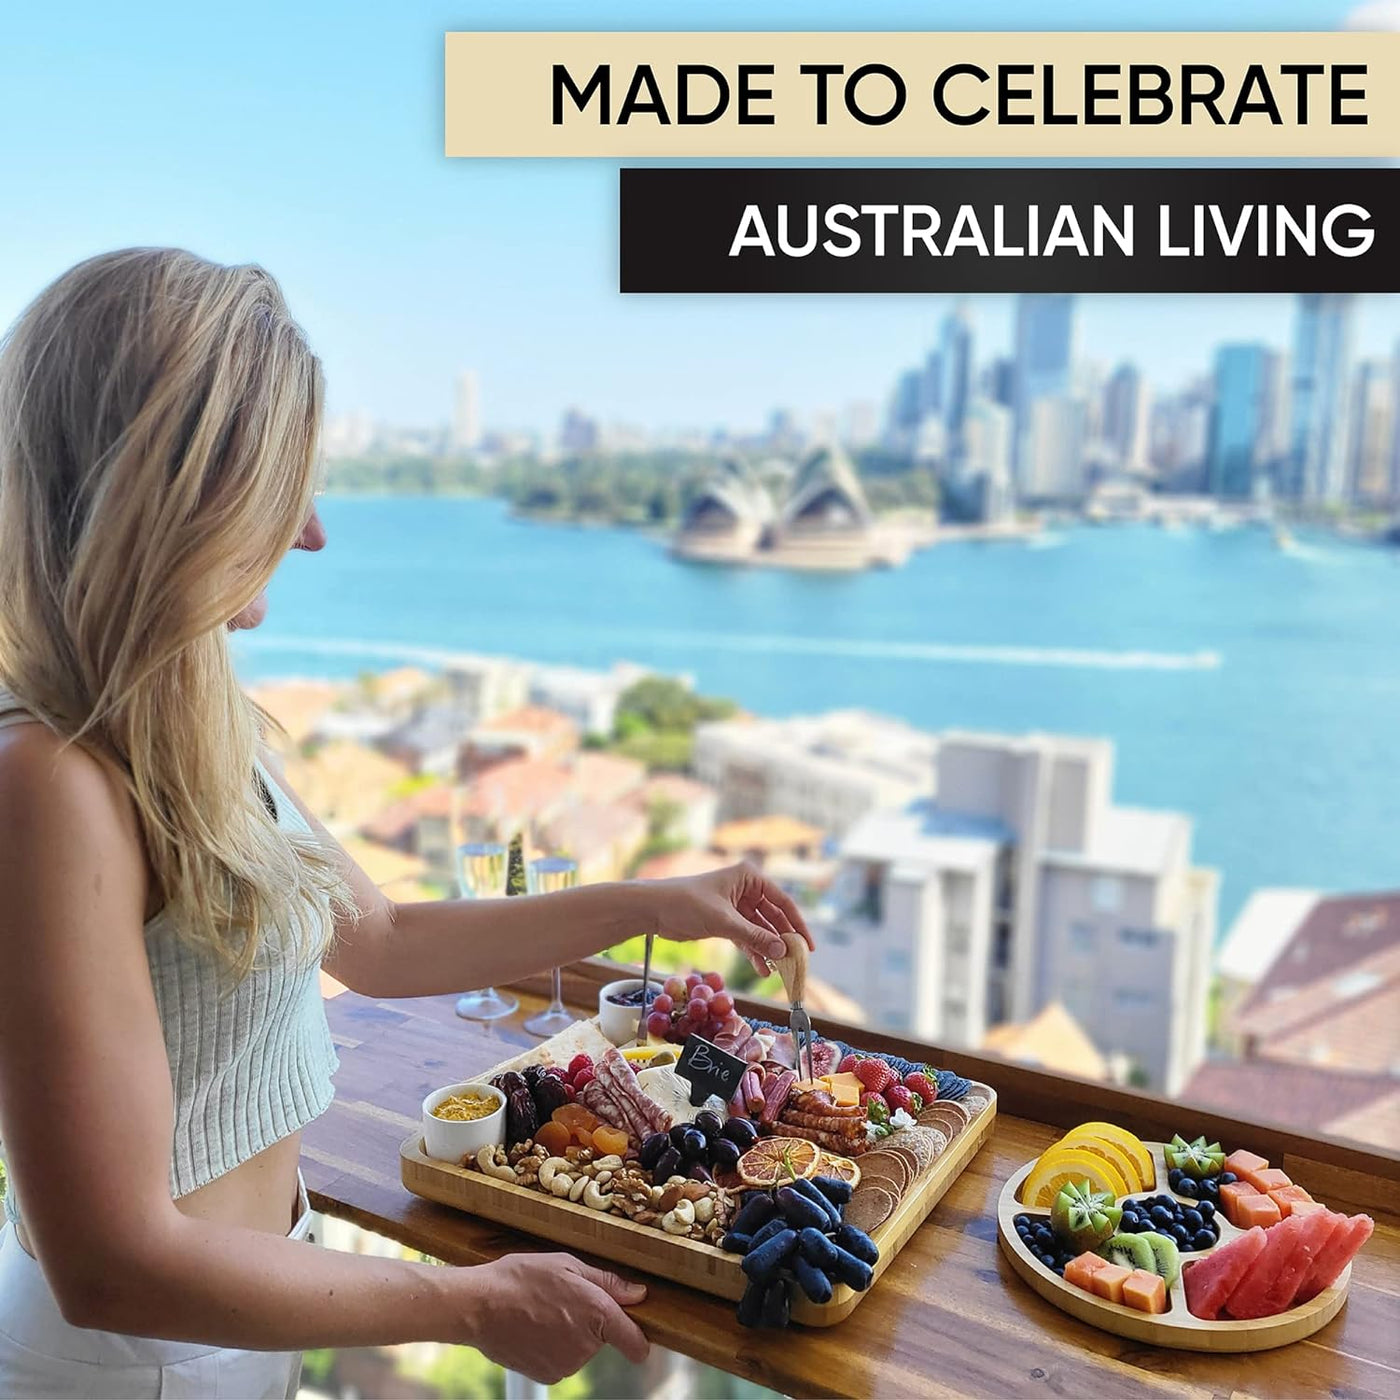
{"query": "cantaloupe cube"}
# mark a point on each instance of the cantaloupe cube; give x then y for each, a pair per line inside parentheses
(1242, 1163)
(1146, 1292)
(1256, 1210)
(1108, 1282)
(1306, 1207)
(1231, 1194)
(1081, 1270)
(1289, 1198)
(1270, 1179)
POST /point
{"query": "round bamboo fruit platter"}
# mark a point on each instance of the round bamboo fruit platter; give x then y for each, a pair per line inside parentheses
(1176, 1327)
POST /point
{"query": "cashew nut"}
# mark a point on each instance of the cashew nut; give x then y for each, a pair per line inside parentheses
(492, 1162)
(555, 1169)
(704, 1211)
(679, 1220)
(577, 1189)
(611, 1163)
(603, 1177)
(595, 1199)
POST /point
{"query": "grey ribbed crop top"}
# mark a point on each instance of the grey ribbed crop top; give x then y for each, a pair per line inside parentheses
(250, 1062)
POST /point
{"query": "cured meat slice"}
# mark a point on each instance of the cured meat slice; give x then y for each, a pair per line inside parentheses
(776, 1089)
(842, 1127)
(598, 1101)
(644, 1115)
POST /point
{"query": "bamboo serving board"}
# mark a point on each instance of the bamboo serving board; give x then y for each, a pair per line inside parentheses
(1175, 1328)
(622, 1241)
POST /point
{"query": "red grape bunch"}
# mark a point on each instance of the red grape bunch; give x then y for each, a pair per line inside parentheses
(692, 1005)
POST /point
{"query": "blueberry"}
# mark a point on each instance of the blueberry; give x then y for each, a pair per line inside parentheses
(1161, 1215)
(1188, 1188)
(1021, 1220)
(1174, 1177)
(1207, 1210)
(1047, 1259)
(1203, 1239)
(1023, 1231)
(1209, 1190)
(1193, 1218)
(1227, 1178)
(1130, 1220)
(1180, 1234)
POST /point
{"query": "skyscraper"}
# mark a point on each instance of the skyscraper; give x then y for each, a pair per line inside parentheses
(1125, 416)
(955, 373)
(466, 413)
(1045, 348)
(1372, 433)
(1324, 337)
(1238, 422)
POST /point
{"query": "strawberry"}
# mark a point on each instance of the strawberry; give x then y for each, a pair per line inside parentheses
(848, 1063)
(877, 1109)
(924, 1085)
(897, 1096)
(577, 1063)
(876, 1075)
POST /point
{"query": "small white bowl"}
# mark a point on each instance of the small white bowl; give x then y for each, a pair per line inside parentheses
(619, 1023)
(449, 1140)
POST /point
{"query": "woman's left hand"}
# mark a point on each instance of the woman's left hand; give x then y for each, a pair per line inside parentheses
(738, 903)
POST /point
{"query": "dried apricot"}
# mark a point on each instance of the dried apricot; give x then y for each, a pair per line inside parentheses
(607, 1140)
(555, 1137)
(574, 1116)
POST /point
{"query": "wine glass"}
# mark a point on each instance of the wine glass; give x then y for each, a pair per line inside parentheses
(481, 874)
(545, 875)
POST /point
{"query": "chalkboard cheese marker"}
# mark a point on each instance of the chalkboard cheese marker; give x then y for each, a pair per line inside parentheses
(709, 1069)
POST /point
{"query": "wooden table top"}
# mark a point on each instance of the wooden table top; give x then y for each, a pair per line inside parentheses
(949, 1317)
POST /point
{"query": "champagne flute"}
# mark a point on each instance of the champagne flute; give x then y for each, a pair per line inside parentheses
(545, 875)
(481, 874)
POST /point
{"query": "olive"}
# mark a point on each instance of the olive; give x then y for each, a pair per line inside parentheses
(698, 1171)
(725, 1155)
(692, 1143)
(678, 1136)
(652, 1149)
(668, 1164)
(742, 1132)
(708, 1121)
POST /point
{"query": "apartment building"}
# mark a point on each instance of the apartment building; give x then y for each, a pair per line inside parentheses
(827, 770)
(1021, 885)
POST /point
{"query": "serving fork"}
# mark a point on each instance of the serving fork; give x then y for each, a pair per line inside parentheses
(792, 968)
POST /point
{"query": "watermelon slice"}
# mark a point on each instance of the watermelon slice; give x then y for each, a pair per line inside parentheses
(1267, 1288)
(1335, 1255)
(1318, 1227)
(1210, 1281)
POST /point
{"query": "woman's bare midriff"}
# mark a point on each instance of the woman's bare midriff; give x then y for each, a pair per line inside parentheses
(259, 1194)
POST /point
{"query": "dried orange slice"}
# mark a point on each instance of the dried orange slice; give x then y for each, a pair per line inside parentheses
(842, 1168)
(776, 1160)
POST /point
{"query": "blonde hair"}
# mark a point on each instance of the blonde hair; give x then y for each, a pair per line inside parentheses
(158, 424)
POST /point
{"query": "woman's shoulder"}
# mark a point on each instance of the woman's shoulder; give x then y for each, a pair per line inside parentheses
(48, 784)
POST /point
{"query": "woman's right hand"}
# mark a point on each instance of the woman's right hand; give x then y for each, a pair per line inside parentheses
(546, 1315)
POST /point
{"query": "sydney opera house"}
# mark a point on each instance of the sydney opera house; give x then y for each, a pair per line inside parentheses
(824, 521)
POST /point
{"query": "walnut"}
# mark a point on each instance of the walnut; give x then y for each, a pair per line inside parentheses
(646, 1217)
(518, 1151)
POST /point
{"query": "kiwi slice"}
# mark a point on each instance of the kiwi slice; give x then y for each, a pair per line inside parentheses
(1130, 1252)
(1166, 1261)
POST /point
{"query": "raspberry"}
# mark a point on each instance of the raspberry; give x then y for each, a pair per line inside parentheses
(584, 1076)
(577, 1063)
(897, 1096)
(924, 1085)
(876, 1075)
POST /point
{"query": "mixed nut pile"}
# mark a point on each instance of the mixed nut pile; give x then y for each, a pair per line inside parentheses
(605, 1182)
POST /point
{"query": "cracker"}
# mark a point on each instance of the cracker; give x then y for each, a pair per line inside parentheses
(943, 1117)
(975, 1102)
(916, 1147)
(869, 1208)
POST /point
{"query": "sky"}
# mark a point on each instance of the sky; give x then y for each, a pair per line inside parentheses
(308, 138)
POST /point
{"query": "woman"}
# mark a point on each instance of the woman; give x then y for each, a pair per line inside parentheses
(165, 902)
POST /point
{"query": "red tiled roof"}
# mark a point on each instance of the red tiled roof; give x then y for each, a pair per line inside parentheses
(1306, 1097)
(605, 777)
(528, 719)
(396, 821)
(589, 828)
(519, 787)
(1339, 932)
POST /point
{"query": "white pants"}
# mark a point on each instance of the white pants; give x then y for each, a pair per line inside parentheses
(42, 1356)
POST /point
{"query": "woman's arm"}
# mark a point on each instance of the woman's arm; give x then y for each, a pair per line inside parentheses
(406, 950)
(85, 1108)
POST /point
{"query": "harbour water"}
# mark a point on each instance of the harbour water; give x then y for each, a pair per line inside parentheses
(1255, 688)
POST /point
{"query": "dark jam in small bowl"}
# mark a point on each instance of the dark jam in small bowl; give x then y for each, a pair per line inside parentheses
(634, 997)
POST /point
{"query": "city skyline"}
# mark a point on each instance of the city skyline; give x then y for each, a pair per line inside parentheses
(407, 268)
